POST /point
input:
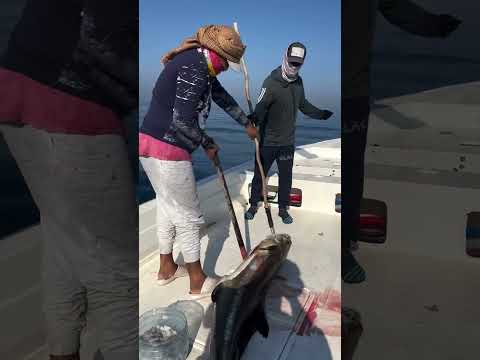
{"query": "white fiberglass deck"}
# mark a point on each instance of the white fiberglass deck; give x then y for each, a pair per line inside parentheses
(314, 258)
(420, 300)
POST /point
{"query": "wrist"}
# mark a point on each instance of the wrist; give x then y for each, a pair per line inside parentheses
(207, 142)
(245, 119)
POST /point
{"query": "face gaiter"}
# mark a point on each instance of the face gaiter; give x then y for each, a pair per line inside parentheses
(289, 72)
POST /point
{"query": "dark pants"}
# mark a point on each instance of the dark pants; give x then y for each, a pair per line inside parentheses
(355, 114)
(284, 157)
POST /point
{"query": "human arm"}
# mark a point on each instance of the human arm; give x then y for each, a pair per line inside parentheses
(223, 99)
(264, 101)
(312, 111)
(191, 85)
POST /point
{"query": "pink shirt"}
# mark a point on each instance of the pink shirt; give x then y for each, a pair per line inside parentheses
(26, 101)
(148, 146)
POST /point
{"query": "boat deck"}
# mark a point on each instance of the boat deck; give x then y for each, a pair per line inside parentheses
(314, 259)
(420, 299)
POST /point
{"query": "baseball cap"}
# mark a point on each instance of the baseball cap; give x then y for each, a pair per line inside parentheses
(296, 52)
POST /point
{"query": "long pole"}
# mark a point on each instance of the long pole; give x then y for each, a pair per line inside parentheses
(228, 199)
(266, 204)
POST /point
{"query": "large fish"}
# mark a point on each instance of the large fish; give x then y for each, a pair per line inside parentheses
(240, 297)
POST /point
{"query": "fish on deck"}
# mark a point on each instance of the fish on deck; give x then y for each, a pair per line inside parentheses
(240, 298)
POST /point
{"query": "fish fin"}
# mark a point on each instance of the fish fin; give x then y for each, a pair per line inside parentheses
(262, 322)
(257, 321)
(246, 334)
(216, 292)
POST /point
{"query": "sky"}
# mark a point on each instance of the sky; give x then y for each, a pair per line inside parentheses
(266, 27)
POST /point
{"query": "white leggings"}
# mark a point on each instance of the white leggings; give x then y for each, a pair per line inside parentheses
(83, 187)
(179, 217)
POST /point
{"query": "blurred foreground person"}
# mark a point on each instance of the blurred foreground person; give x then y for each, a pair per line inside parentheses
(68, 78)
(357, 41)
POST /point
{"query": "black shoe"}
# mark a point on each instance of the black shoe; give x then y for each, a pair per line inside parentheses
(286, 218)
(352, 271)
(250, 214)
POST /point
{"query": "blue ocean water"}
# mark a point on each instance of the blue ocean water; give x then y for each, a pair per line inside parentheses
(235, 146)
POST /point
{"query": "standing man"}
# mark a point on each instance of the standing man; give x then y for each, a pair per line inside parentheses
(282, 95)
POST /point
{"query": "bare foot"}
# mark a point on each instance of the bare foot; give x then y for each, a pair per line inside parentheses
(167, 267)
(196, 283)
(197, 276)
(167, 271)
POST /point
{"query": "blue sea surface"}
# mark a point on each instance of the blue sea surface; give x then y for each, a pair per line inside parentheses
(235, 147)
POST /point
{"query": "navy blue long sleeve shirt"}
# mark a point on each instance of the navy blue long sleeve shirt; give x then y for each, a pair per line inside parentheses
(181, 102)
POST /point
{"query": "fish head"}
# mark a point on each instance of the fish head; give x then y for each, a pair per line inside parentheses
(278, 244)
(271, 250)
